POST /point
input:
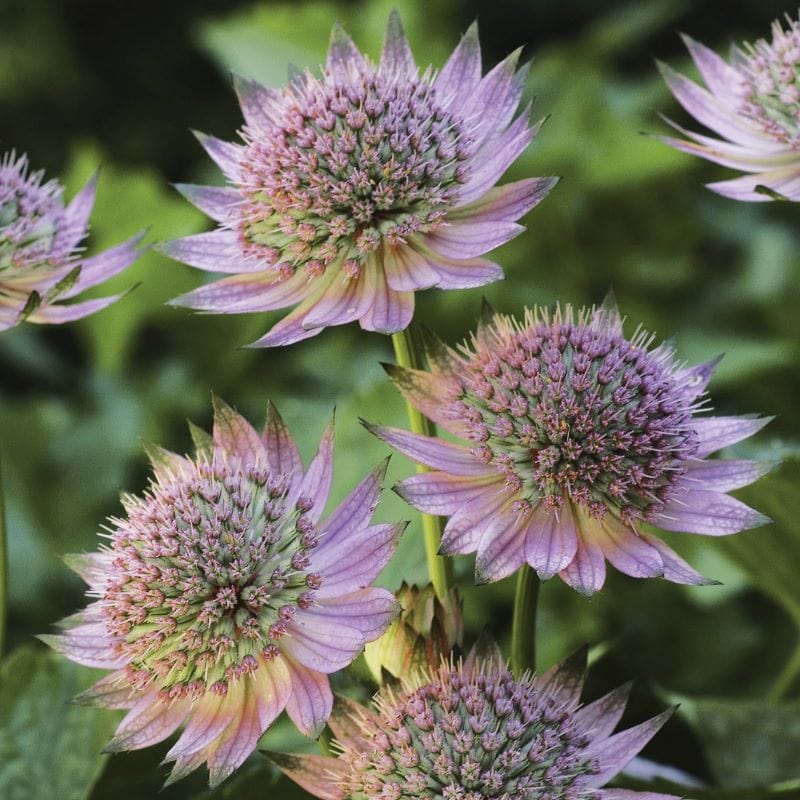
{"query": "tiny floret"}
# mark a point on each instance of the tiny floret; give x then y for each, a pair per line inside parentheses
(753, 103)
(471, 731)
(222, 599)
(356, 188)
(577, 436)
(41, 260)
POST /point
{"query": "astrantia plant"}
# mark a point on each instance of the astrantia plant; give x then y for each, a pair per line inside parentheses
(356, 188)
(473, 732)
(223, 599)
(41, 260)
(753, 102)
(578, 437)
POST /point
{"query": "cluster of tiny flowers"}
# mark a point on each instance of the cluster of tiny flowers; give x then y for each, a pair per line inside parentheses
(348, 164)
(469, 737)
(771, 84)
(40, 254)
(208, 568)
(573, 409)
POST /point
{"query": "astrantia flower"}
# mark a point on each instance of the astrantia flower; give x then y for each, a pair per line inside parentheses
(222, 599)
(41, 261)
(473, 732)
(753, 102)
(578, 436)
(355, 189)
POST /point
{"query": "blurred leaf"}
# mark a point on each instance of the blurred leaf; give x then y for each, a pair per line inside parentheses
(771, 555)
(747, 743)
(47, 747)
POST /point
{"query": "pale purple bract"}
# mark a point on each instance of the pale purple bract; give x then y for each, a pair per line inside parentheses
(578, 436)
(223, 598)
(752, 101)
(41, 261)
(472, 731)
(355, 189)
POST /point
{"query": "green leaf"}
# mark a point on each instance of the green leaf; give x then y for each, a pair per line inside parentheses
(747, 743)
(48, 748)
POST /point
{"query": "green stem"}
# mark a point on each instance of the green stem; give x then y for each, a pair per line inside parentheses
(439, 568)
(787, 678)
(523, 625)
(3, 571)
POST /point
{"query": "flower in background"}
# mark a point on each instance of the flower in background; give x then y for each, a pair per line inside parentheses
(357, 188)
(426, 631)
(222, 599)
(41, 261)
(578, 436)
(753, 103)
(471, 731)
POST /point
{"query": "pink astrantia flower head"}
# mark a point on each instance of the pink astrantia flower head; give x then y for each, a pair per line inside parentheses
(223, 599)
(472, 731)
(355, 189)
(41, 262)
(753, 103)
(577, 436)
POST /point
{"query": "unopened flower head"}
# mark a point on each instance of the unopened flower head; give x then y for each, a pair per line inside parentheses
(473, 732)
(753, 103)
(41, 261)
(578, 435)
(222, 599)
(426, 631)
(356, 188)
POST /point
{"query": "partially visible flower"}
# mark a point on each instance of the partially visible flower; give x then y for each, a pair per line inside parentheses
(753, 103)
(357, 188)
(41, 261)
(222, 599)
(426, 631)
(578, 436)
(472, 731)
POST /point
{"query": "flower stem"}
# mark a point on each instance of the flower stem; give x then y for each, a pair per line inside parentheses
(3, 570)
(786, 680)
(523, 624)
(439, 568)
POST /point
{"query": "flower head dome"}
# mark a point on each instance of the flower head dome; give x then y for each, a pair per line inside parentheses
(753, 103)
(357, 188)
(577, 437)
(223, 599)
(40, 257)
(473, 732)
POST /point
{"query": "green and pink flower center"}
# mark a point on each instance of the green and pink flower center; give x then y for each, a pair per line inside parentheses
(469, 737)
(347, 165)
(33, 227)
(207, 571)
(770, 88)
(574, 411)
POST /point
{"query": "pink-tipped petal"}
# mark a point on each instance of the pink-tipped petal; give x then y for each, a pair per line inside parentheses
(321, 776)
(282, 453)
(235, 435)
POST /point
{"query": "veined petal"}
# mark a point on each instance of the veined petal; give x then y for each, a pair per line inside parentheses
(397, 61)
(226, 155)
(461, 74)
(113, 691)
(255, 100)
(441, 494)
(430, 451)
(487, 106)
(551, 540)
(311, 700)
(319, 775)
(501, 549)
(468, 239)
(281, 450)
(58, 314)
(587, 571)
(456, 273)
(76, 214)
(343, 55)
(784, 181)
(352, 564)
(390, 311)
(104, 265)
(218, 202)
(718, 75)
(715, 433)
(318, 646)
(675, 568)
(505, 203)
(150, 721)
(346, 299)
(598, 719)
(724, 475)
(614, 753)
(210, 716)
(216, 251)
(627, 551)
(89, 645)
(235, 436)
(708, 513)
(564, 681)
(368, 610)
(465, 529)
(408, 270)
(316, 483)
(694, 380)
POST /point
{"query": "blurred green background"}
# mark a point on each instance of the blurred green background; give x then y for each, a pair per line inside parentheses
(84, 83)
